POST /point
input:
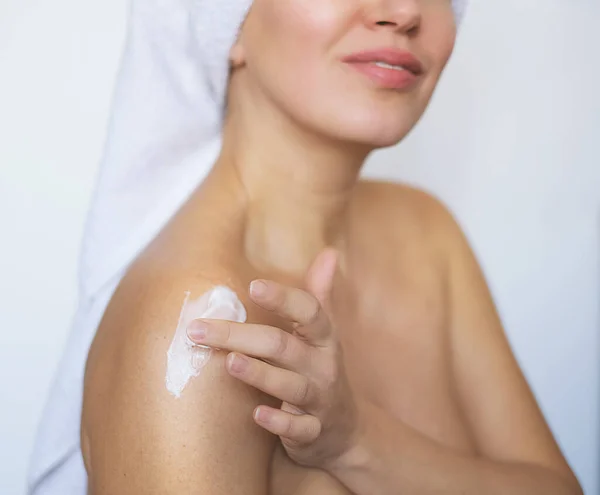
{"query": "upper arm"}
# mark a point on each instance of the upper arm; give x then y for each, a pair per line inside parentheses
(137, 437)
(501, 410)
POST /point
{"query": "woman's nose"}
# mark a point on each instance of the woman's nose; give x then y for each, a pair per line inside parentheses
(398, 15)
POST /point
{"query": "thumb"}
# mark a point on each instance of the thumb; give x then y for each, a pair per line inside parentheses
(319, 278)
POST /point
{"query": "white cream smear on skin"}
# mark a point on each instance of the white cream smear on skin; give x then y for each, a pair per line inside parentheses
(185, 359)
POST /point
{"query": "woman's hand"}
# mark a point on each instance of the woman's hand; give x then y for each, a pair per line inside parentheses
(318, 420)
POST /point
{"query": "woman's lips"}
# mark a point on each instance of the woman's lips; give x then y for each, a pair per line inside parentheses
(386, 77)
(406, 70)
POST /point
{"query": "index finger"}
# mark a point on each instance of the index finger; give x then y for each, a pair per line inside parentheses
(256, 340)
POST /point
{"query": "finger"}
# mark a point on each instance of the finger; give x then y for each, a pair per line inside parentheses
(290, 303)
(298, 428)
(319, 278)
(284, 385)
(261, 341)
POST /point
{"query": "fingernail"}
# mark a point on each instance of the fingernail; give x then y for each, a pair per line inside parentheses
(258, 288)
(261, 415)
(197, 330)
(237, 363)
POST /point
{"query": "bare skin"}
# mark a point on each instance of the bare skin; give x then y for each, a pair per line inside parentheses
(444, 402)
(401, 356)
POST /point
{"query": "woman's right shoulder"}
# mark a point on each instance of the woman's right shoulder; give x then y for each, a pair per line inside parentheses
(137, 436)
(147, 303)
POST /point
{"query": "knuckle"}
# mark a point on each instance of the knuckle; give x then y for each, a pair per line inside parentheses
(313, 310)
(289, 427)
(227, 332)
(302, 393)
(281, 342)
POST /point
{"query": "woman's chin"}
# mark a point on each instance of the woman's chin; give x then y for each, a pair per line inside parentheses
(386, 141)
(376, 138)
(380, 131)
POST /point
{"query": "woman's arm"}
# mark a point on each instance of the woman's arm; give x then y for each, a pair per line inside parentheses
(517, 452)
(137, 438)
(393, 458)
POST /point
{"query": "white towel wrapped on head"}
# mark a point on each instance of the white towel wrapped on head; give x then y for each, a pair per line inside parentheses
(163, 137)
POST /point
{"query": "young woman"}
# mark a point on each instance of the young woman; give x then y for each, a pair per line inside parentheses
(373, 361)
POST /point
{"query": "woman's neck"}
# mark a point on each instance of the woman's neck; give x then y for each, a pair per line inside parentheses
(297, 194)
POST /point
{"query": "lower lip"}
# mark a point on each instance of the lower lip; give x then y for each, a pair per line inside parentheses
(386, 78)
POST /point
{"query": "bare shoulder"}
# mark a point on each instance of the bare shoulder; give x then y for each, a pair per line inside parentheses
(137, 437)
(406, 210)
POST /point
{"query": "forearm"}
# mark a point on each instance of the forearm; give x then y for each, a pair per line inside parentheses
(392, 458)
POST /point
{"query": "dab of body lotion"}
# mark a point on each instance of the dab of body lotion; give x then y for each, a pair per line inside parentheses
(186, 359)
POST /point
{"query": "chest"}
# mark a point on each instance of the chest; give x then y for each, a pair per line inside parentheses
(392, 320)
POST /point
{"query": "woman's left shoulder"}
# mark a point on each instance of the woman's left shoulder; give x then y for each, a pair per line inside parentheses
(402, 206)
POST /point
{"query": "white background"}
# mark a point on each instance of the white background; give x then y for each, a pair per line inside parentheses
(511, 143)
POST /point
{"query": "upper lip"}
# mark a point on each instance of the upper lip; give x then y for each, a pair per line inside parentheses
(388, 55)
